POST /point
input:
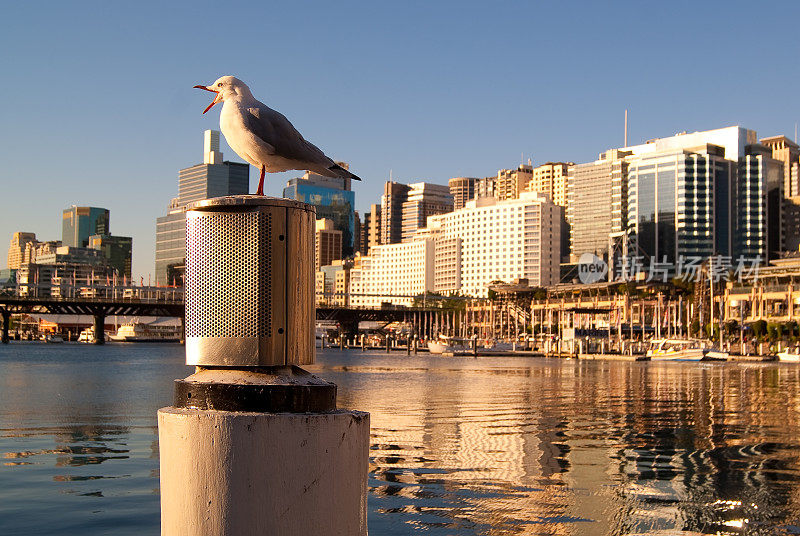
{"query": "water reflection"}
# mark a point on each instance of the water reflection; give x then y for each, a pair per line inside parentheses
(78, 439)
(543, 447)
(459, 446)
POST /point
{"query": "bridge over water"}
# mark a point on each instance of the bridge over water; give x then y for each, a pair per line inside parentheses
(100, 308)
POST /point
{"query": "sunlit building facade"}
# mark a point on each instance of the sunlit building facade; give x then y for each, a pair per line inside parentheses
(551, 179)
(327, 243)
(422, 201)
(393, 273)
(16, 249)
(462, 189)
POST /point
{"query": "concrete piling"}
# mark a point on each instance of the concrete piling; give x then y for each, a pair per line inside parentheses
(253, 444)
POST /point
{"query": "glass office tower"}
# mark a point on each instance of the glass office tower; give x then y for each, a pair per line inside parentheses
(333, 199)
(79, 223)
(680, 204)
(213, 178)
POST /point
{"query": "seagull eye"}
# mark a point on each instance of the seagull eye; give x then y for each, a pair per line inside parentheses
(219, 85)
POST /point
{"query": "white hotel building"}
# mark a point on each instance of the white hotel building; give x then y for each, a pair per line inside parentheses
(392, 271)
(466, 250)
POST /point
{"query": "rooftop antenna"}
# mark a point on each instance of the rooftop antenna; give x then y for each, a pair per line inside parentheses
(390, 175)
(626, 128)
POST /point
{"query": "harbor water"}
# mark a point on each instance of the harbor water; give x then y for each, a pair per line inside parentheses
(459, 446)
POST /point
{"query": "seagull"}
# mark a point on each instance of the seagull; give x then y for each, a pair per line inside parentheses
(263, 136)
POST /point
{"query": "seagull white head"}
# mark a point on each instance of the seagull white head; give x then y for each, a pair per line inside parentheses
(226, 88)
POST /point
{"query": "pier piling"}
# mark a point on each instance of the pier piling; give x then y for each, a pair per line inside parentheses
(6, 326)
(254, 444)
(99, 329)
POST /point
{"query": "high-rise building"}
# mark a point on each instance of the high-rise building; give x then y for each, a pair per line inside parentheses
(596, 203)
(394, 195)
(512, 182)
(406, 207)
(327, 242)
(424, 200)
(393, 273)
(118, 251)
(371, 228)
(486, 187)
(695, 195)
(788, 152)
(759, 203)
(491, 240)
(357, 233)
(213, 178)
(681, 203)
(462, 189)
(464, 251)
(333, 200)
(550, 179)
(16, 249)
(79, 223)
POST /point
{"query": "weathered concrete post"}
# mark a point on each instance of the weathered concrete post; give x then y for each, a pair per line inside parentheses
(6, 326)
(254, 444)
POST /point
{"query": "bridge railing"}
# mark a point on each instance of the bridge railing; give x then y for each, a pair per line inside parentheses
(98, 293)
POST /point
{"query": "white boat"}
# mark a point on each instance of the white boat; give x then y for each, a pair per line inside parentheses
(141, 332)
(87, 336)
(54, 338)
(450, 345)
(677, 350)
(715, 354)
(787, 356)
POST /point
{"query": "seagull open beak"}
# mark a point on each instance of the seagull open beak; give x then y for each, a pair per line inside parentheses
(216, 99)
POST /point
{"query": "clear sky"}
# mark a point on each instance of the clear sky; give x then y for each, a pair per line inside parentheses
(98, 108)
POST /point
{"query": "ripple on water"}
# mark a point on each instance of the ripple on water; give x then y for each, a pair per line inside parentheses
(472, 446)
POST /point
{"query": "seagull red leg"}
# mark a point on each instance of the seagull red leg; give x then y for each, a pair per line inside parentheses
(261, 182)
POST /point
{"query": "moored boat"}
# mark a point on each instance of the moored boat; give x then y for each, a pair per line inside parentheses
(677, 350)
(450, 345)
(142, 332)
(787, 356)
(54, 338)
(87, 336)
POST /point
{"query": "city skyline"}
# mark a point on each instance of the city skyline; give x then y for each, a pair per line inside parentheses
(424, 93)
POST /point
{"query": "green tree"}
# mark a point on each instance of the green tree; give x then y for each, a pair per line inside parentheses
(695, 327)
(759, 328)
(790, 329)
(774, 331)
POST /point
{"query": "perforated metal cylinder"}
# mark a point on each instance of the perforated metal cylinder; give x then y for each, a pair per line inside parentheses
(249, 282)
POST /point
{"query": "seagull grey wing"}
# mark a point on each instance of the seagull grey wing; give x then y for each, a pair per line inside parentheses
(273, 128)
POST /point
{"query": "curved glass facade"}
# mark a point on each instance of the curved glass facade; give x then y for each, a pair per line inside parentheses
(335, 205)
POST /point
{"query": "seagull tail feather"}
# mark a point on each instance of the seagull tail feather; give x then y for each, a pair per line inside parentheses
(343, 173)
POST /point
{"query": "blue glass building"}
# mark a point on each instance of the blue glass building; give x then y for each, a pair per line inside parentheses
(79, 223)
(333, 199)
